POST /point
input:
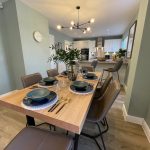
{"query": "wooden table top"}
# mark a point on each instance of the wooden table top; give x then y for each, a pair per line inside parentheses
(71, 117)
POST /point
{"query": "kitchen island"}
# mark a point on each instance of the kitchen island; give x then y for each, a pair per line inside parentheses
(123, 72)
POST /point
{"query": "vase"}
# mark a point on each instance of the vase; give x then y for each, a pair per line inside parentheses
(72, 71)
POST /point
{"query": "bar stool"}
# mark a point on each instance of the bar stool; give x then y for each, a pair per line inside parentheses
(116, 68)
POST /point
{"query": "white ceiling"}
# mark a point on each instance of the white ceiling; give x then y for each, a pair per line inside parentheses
(111, 16)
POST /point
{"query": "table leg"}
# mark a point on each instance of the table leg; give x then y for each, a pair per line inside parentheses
(30, 121)
(76, 139)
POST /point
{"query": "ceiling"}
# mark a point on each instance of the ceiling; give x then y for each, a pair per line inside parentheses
(111, 16)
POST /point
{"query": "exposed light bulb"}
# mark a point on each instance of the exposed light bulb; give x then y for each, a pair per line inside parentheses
(71, 28)
(72, 23)
(59, 27)
(88, 29)
(92, 20)
(84, 31)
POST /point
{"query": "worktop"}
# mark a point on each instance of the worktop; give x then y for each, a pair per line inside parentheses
(109, 61)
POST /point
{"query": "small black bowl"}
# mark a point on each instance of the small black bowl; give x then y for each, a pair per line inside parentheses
(49, 80)
(90, 75)
(80, 85)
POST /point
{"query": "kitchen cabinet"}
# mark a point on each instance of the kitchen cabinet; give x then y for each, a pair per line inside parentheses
(86, 44)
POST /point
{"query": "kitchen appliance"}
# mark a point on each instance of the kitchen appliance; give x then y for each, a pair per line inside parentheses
(85, 54)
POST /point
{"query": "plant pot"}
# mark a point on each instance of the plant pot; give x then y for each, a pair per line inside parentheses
(72, 71)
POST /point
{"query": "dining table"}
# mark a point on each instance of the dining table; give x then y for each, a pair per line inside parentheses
(70, 116)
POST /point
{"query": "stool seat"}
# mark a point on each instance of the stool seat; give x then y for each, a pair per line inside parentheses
(32, 138)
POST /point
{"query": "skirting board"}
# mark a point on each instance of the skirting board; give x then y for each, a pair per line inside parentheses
(137, 120)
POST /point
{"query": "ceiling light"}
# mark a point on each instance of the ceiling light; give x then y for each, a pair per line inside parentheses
(59, 27)
(79, 26)
(92, 20)
(88, 29)
(72, 23)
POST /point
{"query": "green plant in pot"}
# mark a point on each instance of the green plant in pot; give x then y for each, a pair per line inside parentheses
(68, 56)
(121, 53)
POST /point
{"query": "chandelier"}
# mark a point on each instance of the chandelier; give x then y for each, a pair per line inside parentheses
(78, 25)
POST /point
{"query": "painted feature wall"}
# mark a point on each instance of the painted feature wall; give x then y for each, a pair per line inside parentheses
(13, 44)
(5, 84)
(35, 54)
(138, 86)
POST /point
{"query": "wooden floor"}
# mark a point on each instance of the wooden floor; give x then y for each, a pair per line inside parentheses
(121, 135)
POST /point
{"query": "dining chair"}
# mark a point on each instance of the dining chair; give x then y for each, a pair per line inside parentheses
(116, 68)
(91, 67)
(94, 63)
(32, 138)
(99, 110)
(29, 80)
(100, 90)
(52, 72)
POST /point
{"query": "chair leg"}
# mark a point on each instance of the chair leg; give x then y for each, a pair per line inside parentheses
(101, 136)
(94, 137)
(107, 126)
(118, 76)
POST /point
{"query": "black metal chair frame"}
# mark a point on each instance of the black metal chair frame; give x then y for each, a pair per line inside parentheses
(100, 134)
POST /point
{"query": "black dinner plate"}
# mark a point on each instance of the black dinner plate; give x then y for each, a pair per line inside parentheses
(88, 89)
(29, 102)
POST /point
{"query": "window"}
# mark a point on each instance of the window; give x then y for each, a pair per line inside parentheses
(125, 43)
(112, 45)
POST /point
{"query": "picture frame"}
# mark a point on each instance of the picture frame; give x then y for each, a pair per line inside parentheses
(131, 38)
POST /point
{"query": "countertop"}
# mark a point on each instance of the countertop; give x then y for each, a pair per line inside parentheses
(109, 61)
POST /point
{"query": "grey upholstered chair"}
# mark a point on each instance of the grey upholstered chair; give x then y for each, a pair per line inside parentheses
(102, 89)
(31, 79)
(99, 110)
(94, 64)
(31, 138)
(52, 72)
(91, 67)
(116, 68)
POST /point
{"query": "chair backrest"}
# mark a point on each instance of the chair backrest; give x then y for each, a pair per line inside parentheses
(88, 68)
(107, 100)
(31, 79)
(105, 85)
(118, 65)
(94, 63)
(52, 72)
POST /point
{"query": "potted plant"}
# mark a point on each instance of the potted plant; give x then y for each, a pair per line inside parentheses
(68, 56)
(121, 53)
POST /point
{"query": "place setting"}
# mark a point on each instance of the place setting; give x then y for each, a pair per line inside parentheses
(48, 82)
(90, 76)
(39, 98)
(81, 87)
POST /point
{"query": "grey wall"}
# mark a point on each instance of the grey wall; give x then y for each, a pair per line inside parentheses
(138, 86)
(5, 83)
(35, 54)
(13, 44)
(59, 37)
